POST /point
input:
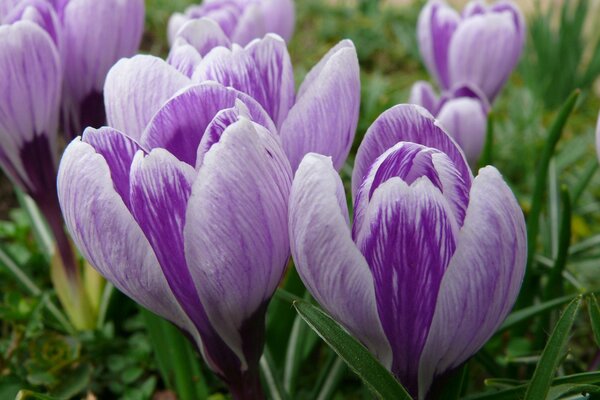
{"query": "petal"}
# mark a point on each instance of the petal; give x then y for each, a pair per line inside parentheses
(410, 240)
(97, 34)
(465, 119)
(176, 21)
(180, 124)
(184, 57)
(423, 94)
(491, 252)
(405, 123)
(40, 12)
(279, 17)
(30, 79)
(107, 235)
(236, 236)
(329, 263)
(325, 115)
(251, 25)
(118, 151)
(135, 90)
(6, 7)
(262, 70)
(203, 34)
(472, 59)
(435, 28)
(502, 6)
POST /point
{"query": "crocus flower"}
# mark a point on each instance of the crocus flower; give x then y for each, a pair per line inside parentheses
(481, 47)
(241, 20)
(182, 204)
(434, 260)
(462, 112)
(321, 117)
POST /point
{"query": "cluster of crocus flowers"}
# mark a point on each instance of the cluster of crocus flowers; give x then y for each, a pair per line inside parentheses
(53, 55)
(240, 20)
(434, 259)
(477, 49)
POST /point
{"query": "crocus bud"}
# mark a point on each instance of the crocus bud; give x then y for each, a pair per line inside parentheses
(480, 48)
(40, 12)
(241, 20)
(163, 207)
(434, 260)
(97, 34)
(321, 117)
(463, 113)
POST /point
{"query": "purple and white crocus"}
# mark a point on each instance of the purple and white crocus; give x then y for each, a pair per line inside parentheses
(462, 112)
(241, 20)
(90, 36)
(434, 259)
(480, 48)
(321, 117)
(182, 204)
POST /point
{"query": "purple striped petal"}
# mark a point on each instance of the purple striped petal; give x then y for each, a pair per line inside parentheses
(465, 119)
(236, 235)
(263, 70)
(251, 25)
(40, 12)
(135, 90)
(329, 263)
(436, 26)
(30, 79)
(410, 239)
(405, 123)
(472, 59)
(325, 115)
(491, 252)
(107, 235)
(423, 94)
(184, 57)
(518, 17)
(6, 7)
(279, 17)
(97, 34)
(180, 124)
(203, 34)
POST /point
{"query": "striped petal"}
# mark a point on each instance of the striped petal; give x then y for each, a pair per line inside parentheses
(491, 252)
(203, 34)
(325, 115)
(329, 263)
(423, 94)
(279, 17)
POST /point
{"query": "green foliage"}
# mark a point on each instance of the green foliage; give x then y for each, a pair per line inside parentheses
(559, 57)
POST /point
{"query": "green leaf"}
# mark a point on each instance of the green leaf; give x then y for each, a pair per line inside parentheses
(29, 395)
(533, 218)
(487, 157)
(271, 380)
(560, 391)
(546, 368)
(378, 379)
(175, 357)
(526, 314)
(594, 311)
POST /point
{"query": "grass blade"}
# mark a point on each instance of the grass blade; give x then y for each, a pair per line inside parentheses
(272, 382)
(355, 355)
(487, 157)
(525, 314)
(594, 311)
(543, 375)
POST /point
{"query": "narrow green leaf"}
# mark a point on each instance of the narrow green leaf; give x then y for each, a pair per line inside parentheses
(357, 357)
(174, 355)
(331, 383)
(271, 380)
(525, 314)
(546, 368)
(487, 157)
(533, 218)
(560, 391)
(294, 353)
(29, 395)
(594, 311)
(585, 180)
(555, 279)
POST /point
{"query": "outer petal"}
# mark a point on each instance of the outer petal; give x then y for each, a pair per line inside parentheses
(423, 94)
(184, 57)
(203, 34)
(97, 34)
(108, 236)
(405, 123)
(325, 115)
(40, 12)
(279, 17)
(30, 80)
(328, 262)
(176, 21)
(436, 26)
(465, 119)
(492, 251)
(236, 236)
(484, 50)
(263, 70)
(135, 90)
(251, 25)
(6, 6)
(180, 124)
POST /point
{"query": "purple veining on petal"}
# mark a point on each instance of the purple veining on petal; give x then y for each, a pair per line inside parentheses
(39, 12)
(443, 24)
(409, 244)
